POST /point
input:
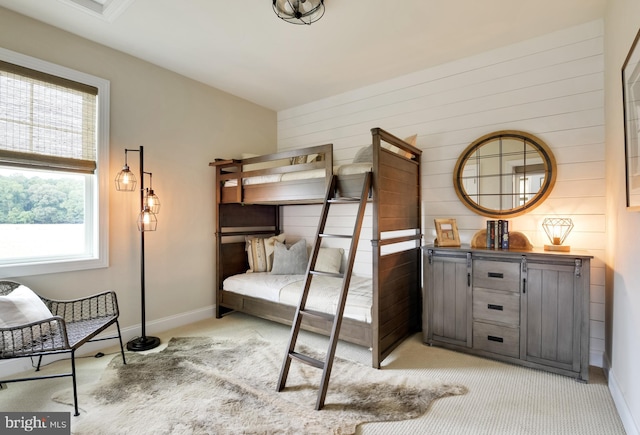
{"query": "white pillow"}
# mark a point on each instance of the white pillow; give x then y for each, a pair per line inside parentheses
(364, 155)
(329, 260)
(260, 252)
(22, 306)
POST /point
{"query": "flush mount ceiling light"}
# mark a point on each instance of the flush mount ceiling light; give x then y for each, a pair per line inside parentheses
(299, 11)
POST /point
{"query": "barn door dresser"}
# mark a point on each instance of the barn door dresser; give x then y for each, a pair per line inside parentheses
(524, 307)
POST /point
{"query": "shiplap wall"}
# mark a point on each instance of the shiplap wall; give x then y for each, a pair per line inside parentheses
(551, 86)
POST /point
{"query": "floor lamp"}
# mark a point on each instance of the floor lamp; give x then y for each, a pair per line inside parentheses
(147, 221)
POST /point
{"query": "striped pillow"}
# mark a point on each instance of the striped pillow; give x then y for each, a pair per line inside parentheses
(260, 252)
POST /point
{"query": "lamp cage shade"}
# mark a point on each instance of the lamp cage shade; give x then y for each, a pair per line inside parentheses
(147, 220)
(557, 229)
(125, 180)
(152, 201)
(299, 11)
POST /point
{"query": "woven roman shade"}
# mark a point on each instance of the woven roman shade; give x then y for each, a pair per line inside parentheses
(46, 122)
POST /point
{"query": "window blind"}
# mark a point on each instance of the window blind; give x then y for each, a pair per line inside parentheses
(46, 121)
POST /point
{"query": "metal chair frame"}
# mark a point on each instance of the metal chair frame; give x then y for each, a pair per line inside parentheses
(74, 323)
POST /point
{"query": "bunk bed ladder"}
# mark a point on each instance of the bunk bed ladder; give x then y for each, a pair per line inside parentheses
(336, 319)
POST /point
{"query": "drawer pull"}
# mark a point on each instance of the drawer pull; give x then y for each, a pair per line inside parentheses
(496, 275)
(495, 307)
(494, 338)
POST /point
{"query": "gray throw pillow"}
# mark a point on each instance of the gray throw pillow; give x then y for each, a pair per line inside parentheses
(291, 260)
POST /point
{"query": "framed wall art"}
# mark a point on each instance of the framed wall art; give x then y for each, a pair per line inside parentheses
(447, 232)
(631, 101)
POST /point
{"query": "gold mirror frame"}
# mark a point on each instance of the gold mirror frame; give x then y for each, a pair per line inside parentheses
(532, 148)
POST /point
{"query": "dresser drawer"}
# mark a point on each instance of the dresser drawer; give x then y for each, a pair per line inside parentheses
(502, 340)
(496, 306)
(498, 275)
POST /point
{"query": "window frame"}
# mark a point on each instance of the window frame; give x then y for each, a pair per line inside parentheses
(100, 210)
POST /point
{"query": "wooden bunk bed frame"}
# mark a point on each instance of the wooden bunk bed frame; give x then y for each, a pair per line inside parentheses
(245, 210)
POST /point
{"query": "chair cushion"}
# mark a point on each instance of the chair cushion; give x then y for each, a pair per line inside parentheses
(22, 306)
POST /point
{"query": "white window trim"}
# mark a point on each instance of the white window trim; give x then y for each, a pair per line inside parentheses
(102, 171)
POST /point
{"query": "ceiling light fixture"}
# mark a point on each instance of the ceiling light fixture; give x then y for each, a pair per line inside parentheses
(299, 11)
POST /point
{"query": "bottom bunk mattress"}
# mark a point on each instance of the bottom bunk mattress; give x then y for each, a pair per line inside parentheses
(323, 295)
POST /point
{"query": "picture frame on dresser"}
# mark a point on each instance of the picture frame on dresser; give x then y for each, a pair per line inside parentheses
(631, 106)
(447, 232)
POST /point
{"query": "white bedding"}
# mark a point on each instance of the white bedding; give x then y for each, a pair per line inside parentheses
(323, 295)
(348, 169)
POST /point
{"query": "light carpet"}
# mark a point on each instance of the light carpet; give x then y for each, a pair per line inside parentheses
(201, 385)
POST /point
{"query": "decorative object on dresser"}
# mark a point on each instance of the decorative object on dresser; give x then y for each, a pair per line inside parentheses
(631, 96)
(504, 174)
(517, 241)
(147, 221)
(447, 232)
(206, 385)
(527, 308)
(557, 229)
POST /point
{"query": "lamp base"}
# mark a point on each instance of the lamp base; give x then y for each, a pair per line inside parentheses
(558, 248)
(143, 343)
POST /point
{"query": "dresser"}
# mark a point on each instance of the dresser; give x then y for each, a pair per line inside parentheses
(524, 307)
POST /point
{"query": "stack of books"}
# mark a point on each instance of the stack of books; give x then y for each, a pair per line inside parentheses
(498, 234)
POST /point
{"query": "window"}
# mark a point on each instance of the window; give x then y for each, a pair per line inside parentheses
(53, 167)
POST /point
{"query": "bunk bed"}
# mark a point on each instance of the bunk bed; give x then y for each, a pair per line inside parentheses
(250, 193)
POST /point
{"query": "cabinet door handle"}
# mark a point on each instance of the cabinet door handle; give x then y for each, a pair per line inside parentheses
(496, 275)
(468, 280)
(494, 338)
(524, 285)
(494, 307)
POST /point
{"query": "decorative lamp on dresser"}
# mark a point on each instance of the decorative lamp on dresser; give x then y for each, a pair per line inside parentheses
(525, 307)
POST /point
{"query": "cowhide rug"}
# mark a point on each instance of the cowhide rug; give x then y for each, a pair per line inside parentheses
(201, 385)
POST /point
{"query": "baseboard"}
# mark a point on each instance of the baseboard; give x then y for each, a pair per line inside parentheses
(596, 358)
(621, 405)
(166, 323)
(14, 366)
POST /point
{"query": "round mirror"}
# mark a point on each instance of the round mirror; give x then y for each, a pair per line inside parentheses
(505, 174)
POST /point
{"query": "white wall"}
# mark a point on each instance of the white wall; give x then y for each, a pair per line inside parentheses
(550, 86)
(623, 273)
(183, 125)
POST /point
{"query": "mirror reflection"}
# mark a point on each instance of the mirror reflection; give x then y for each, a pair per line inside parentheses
(504, 174)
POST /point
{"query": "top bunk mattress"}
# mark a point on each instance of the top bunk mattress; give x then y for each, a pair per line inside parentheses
(323, 295)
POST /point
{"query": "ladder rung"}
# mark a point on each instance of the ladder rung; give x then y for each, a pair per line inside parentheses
(307, 360)
(318, 314)
(337, 236)
(344, 200)
(335, 275)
